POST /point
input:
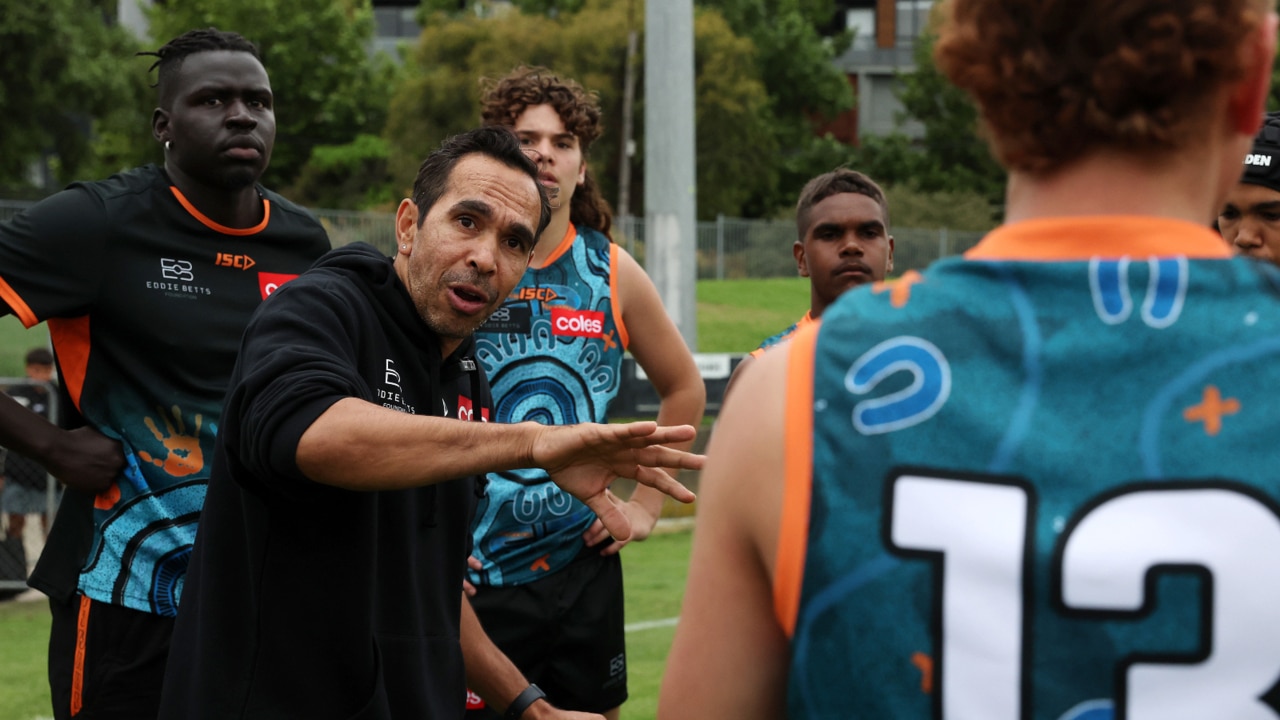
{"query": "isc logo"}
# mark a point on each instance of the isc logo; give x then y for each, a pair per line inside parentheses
(577, 323)
(243, 262)
(1257, 160)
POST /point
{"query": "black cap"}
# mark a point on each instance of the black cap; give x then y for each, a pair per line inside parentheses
(1262, 164)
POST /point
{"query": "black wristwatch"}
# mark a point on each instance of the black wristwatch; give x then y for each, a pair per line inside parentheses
(527, 697)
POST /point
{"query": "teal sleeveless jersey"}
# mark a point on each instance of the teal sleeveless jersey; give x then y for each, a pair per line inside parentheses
(1044, 483)
(553, 354)
(773, 340)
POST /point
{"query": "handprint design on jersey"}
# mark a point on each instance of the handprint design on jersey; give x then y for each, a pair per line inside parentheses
(184, 455)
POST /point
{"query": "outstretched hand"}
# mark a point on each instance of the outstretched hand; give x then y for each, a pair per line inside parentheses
(585, 459)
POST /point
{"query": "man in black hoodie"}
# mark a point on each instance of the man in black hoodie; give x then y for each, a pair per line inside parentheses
(326, 578)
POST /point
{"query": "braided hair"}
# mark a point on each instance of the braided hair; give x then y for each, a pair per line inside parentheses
(171, 54)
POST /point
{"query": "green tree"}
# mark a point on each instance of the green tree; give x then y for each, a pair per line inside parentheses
(327, 88)
(440, 93)
(951, 160)
(60, 63)
(797, 64)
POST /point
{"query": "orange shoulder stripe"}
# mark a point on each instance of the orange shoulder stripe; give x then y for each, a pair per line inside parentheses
(793, 524)
(623, 337)
(16, 304)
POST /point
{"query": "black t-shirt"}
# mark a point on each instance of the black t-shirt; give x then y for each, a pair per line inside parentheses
(307, 600)
(146, 300)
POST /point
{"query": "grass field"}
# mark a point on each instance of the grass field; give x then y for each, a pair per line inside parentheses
(733, 316)
(654, 573)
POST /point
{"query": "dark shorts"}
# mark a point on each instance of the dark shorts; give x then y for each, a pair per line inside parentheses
(565, 633)
(18, 499)
(106, 661)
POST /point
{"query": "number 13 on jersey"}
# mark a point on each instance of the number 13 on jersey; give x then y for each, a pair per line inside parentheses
(980, 536)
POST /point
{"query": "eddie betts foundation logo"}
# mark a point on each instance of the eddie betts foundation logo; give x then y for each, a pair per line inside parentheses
(577, 323)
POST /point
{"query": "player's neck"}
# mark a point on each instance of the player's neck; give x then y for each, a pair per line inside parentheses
(233, 208)
(550, 238)
(1114, 184)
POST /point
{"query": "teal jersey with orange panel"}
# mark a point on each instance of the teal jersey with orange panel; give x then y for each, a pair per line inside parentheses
(553, 354)
(1043, 484)
(784, 335)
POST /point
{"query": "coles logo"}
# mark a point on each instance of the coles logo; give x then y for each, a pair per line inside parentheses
(270, 282)
(468, 413)
(474, 702)
(577, 323)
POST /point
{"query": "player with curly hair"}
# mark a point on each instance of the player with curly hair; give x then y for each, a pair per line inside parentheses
(548, 586)
(1031, 482)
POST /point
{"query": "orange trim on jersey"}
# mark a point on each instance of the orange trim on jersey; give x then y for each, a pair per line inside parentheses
(19, 308)
(70, 337)
(566, 242)
(266, 216)
(797, 483)
(623, 337)
(108, 498)
(77, 668)
(800, 324)
(1101, 236)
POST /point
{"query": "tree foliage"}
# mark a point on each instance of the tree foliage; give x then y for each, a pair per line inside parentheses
(951, 159)
(797, 64)
(327, 88)
(441, 90)
(61, 73)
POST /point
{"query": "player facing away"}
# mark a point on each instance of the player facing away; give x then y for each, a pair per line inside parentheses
(1250, 219)
(843, 241)
(1042, 486)
(549, 585)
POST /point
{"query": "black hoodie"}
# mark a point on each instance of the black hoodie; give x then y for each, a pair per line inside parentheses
(308, 601)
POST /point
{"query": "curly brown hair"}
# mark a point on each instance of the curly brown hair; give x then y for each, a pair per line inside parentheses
(506, 98)
(1055, 79)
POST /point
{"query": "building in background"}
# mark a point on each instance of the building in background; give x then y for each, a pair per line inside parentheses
(885, 36)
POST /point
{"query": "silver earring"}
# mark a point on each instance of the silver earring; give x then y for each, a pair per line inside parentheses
(167, 146)
(404, 247)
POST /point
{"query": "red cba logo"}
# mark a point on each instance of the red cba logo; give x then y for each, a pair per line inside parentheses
(270, 282)
(577, 323)
(468, 413)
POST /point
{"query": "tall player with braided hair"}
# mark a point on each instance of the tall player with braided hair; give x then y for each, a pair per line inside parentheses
(147, 280)
(549, 586)
(1042, 484)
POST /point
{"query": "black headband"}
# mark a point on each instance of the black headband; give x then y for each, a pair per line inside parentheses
(1262, 164)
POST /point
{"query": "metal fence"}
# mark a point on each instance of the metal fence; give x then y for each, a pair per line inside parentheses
(728, 248)
(20, 550)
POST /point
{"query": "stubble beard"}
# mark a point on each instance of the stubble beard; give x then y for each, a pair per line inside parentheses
(441, 319)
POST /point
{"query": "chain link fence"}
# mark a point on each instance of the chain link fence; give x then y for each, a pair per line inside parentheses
(28, 497)
(728, 248)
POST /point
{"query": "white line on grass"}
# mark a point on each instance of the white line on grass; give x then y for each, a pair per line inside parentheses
(651, 624)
